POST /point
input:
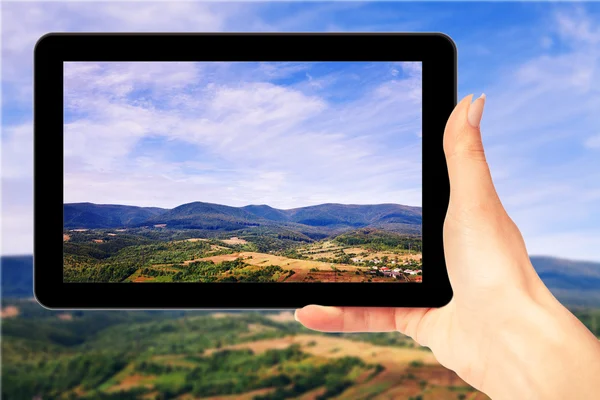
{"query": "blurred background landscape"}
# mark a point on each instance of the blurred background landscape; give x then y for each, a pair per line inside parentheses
(214, 355)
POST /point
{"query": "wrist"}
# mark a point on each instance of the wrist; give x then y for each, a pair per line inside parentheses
(540, 353)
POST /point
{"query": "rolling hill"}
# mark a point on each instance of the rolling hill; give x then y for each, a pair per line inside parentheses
(94, 216)
(320, 219)
(199, 215)
(575, 283)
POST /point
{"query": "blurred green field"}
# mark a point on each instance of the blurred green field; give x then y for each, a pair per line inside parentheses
(201, 355)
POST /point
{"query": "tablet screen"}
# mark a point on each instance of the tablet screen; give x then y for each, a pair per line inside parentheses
(242, 172)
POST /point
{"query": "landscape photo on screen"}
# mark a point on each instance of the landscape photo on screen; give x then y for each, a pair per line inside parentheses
(213, 172)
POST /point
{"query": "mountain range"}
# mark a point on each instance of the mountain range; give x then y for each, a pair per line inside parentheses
(324, 218)
(574, 283)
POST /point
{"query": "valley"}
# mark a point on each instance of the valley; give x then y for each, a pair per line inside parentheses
(202, 242)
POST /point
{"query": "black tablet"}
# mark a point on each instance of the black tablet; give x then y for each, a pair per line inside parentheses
(241, 170)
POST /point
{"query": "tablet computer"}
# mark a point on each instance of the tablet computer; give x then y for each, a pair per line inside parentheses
(241, 170)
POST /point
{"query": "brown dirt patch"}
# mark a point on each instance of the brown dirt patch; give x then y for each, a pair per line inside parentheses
(98, 241)
(234, 240)
(9, 312)
(313, 394)
(301, 267)
(131, 381)
(191, 240)
(79, 391)
(65, 317)
(66, 237)
(284, 316)
(143, 279)
(370, 353)
(241, 396)
(355, 250)
(111, 234)
(224, 315)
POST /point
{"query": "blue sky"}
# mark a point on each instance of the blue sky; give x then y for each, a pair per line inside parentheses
(538, 63)
(283, 134)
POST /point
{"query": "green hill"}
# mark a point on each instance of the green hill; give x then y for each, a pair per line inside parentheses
(92, 216)
(315, 221)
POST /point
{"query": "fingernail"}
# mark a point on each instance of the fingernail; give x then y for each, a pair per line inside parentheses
(476, 111)
(296, 315)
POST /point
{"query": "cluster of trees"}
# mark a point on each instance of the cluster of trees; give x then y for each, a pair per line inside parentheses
(55, 376)
(332, 375)
(226, 271)
(231, 372)
(379, 240)
(88, 262)
(293, 253)
(81, 269)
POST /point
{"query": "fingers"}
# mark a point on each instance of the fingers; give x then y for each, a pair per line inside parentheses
(362, 319)
(471, 183)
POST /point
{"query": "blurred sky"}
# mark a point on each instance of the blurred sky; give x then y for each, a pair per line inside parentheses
(538, 63)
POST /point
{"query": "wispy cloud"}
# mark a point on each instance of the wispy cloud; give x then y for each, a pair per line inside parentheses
(286, 144)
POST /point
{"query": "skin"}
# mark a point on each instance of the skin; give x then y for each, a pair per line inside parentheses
(503, 332)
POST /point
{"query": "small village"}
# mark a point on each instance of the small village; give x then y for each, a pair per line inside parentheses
(397, 269)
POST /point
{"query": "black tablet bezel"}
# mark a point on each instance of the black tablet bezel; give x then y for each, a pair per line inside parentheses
(437, 53)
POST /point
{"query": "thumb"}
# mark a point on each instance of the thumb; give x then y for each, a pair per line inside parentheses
(471, 186)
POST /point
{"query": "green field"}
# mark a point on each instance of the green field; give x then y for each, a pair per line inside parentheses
(179, 255)
(187, 355)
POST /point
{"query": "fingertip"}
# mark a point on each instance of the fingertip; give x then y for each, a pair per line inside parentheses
(467, 99)
(318, 317)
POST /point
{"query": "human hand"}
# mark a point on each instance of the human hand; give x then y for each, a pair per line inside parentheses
(503, 332)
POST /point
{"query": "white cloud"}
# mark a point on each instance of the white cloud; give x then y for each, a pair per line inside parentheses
(593, 142)
(277, 141)
(17, 151)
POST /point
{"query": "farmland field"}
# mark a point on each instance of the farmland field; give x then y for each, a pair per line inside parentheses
(162, 254)
(199, 355)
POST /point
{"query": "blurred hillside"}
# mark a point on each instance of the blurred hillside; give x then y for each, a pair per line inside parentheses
(206, 355)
